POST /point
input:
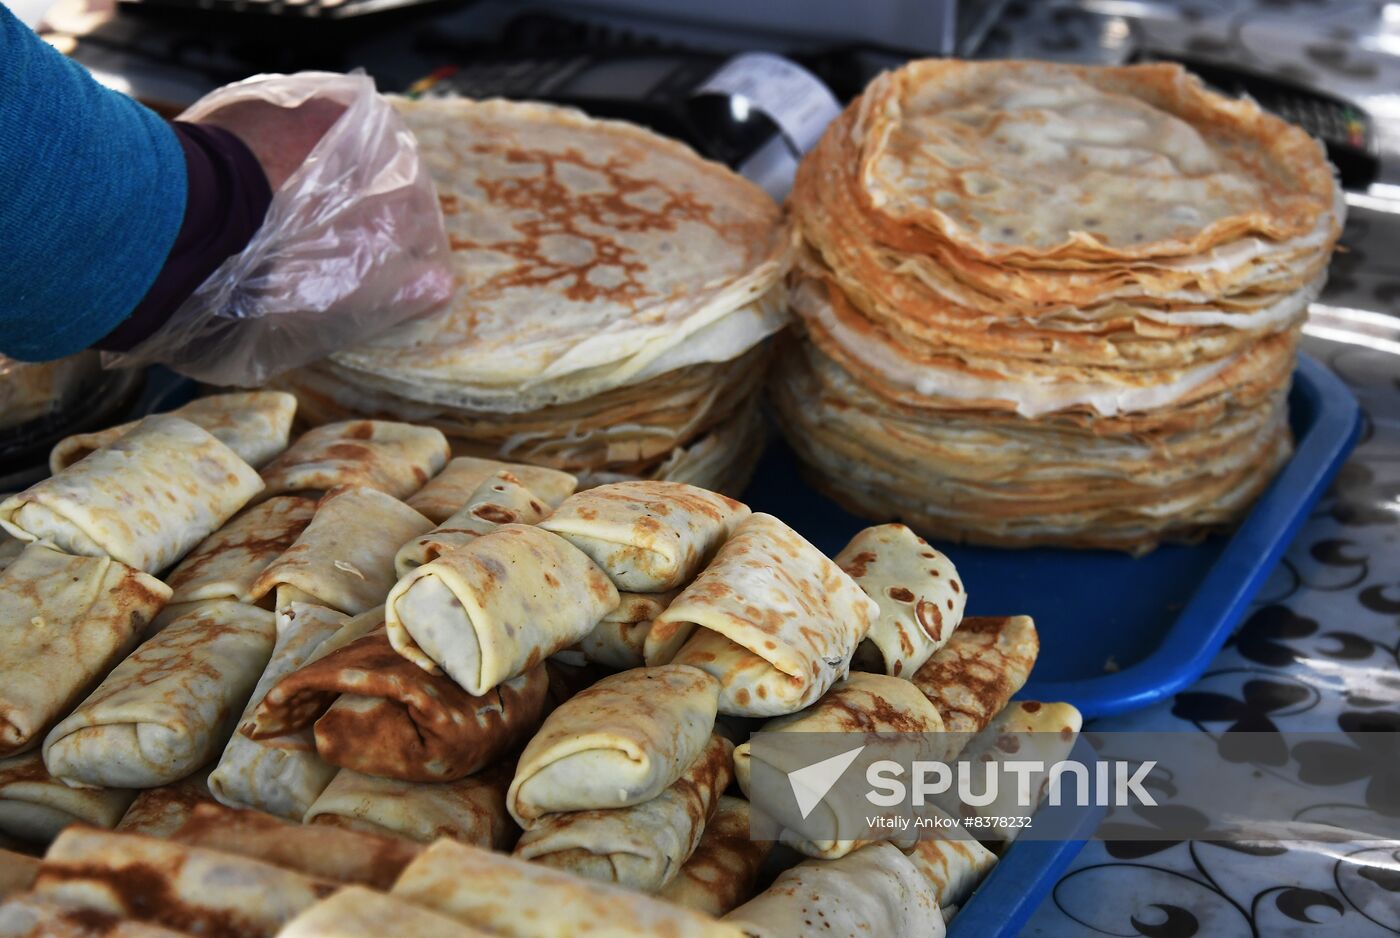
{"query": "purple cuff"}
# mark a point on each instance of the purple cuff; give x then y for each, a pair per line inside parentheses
(227, 199)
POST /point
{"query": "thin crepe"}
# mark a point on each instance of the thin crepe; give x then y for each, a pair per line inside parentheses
(228, 562)
(621, 742)
(971, 678)
(619, 641)
(500, 499)
(66, 621)
(254, 424)
(35, 806)
(165, 710)
(471, 810)
(780, 655)
(345, 557)
(497, 607)
(515, 899)
(395, 458)
(952, 862)
(917, 589)
(29, 916)
(378, 713)
(641, 847)
(281, 775)
(145, 500)
(357, 912)
(449, 490)
(159, 812)
(647, 536)
(205, 892)
(723, 871)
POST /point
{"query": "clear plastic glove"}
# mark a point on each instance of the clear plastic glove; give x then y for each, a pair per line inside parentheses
(353, 242)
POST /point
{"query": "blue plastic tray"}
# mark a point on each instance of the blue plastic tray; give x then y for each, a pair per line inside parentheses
(1159, 619)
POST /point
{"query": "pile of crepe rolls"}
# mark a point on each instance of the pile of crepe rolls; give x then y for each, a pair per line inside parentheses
(1046, 304)
(615, 294)
(375, 687)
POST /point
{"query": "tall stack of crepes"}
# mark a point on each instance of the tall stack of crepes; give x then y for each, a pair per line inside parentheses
(1043, 304)
(614, 295)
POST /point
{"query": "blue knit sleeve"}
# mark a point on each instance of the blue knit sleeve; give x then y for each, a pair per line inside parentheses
(92, 193)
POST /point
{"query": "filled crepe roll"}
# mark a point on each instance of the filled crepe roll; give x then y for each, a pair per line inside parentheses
(64, 622)
(917, 589)
(145, 500)
(497, 607)
(35, 806)
(166, 709)
(29, 916)
(205, 892)
(514, 899)
(971, 678)
(647, 536)
(395, 458)
(951, 861)
(229, 561)
(621, 742)
(159, 812)
(471, 810)
(338, 855)
(773, 618)
(377, 713)
(501, 499)
(880, 708)
(619, 641)
(1026, 731)
(357, 912)
(281, 775)
(874, 891)
(345, 557)
(449, 490)
(723, 871)
(254, 424)
(641, 847)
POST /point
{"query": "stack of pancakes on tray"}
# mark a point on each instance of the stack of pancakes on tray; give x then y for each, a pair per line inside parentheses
(615, 294)
(1042, 304)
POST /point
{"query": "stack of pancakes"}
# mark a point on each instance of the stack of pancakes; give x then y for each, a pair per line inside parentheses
(1042, 304)
(615, 294)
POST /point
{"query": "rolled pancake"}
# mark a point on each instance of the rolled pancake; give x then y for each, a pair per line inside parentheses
(145, 500)
(878, 707)
(917, 589)
(35, 806)
(471, 810)
(779, 656)
(345, 557)
(17, 872)
(204, 892)
(29, 916)
(723, 871)
(1026, 731)
(338, 855)
(281, 775)
(647, 536)
(377, 713)
(165, 710)
(66, 621)
(619, 641)
(356, 912)
(395, 458)
(874, 891)
(951, 861)
(449, 490)
(160, 812)
(228, 562)
(641, 847)
(971, 678)
(254, 424)
(497, 607)
(515, 899)
(621, 742)
(501, 498)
